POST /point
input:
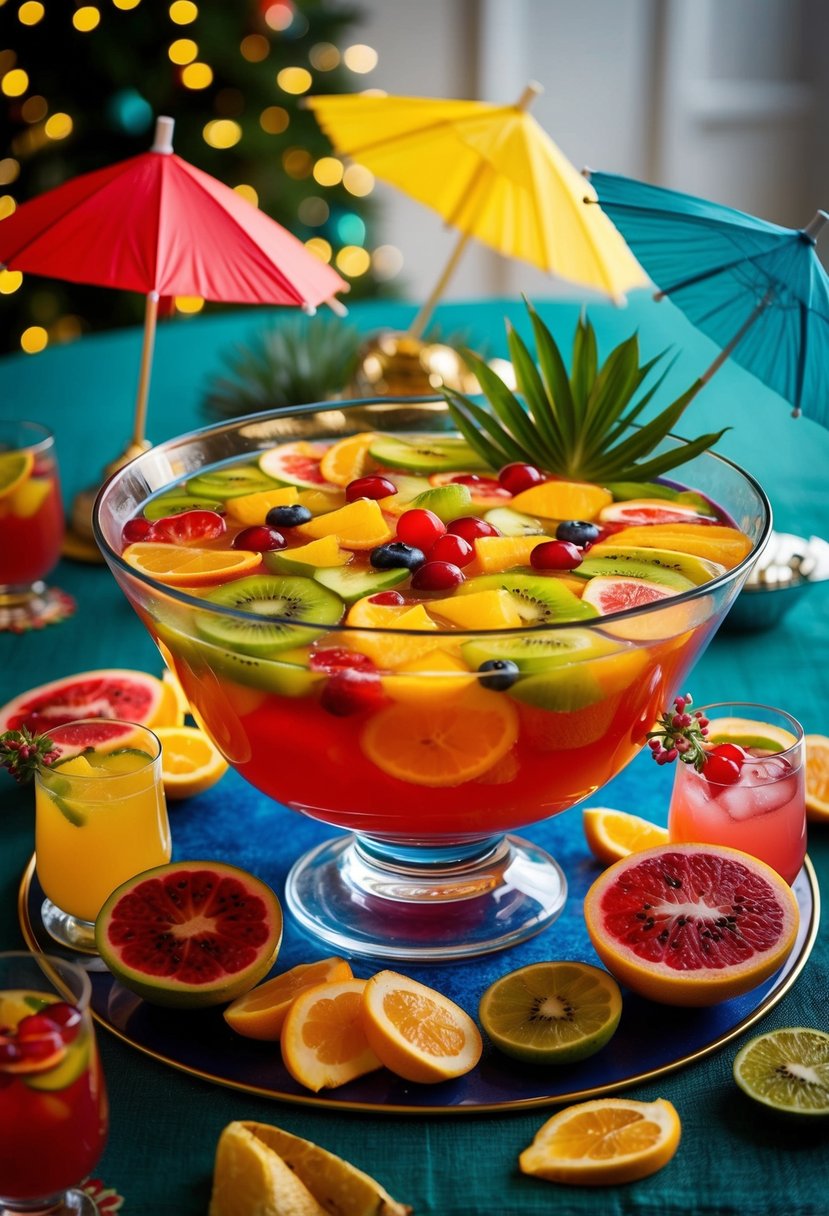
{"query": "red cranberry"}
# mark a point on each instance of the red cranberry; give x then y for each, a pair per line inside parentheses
(451, 548)
(351, 692)
(259, 539)
(518, 477)
(337, 658)
(470, 528)
(720, 770)
(420, 528)
(555, 555)
(437, 576)
(369, 487)
(731, 751)
(389, 599)
(135, 530)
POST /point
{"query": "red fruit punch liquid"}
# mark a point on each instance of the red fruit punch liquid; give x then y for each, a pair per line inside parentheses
(31, 528)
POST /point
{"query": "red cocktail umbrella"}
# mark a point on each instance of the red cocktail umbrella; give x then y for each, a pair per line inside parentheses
(156, 224)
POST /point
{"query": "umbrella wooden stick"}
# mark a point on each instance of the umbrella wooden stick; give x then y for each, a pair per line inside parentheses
(139, 439)
(424, 316)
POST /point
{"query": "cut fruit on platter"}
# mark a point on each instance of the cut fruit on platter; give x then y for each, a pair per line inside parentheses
(190, 934)
(416, 1032)
(817, 778)
(188, 567)
(787, 1070)
(190, 763)
(263, 1169)
(551, 1013)
(691, 924)
(604, 1143)
(261, 1013)
(323, 1041)
(612, 835)
(132, 696)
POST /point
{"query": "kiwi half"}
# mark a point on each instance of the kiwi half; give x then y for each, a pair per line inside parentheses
(231, 483)
(427, 454)
(447, 502)
(540, 600)
(534, 653)
(276, 600)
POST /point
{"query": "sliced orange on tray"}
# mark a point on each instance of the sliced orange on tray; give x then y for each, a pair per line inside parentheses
(180, 567)
(323, 1041)
(611, 834)
(261, 1013)
(190, 761)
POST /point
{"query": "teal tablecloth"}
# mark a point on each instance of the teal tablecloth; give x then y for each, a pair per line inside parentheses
(733, 1158)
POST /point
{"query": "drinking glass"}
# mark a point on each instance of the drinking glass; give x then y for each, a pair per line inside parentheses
(101, 818)
(53, 1104)
(31, 528)
(763, 811)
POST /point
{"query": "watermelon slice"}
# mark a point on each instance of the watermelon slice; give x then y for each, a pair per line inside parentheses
(132, 696)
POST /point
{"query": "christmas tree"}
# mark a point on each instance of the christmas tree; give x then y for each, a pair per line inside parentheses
(80, 88)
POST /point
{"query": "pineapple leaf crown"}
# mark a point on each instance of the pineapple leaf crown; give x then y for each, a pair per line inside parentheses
(577, 425)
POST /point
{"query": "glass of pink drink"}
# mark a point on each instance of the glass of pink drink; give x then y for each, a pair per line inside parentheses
(760, 808)
(53, 1104)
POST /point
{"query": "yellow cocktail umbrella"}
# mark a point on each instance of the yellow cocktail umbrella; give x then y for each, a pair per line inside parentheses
(494, 174)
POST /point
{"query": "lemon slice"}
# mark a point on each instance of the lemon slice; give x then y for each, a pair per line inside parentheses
(787, 1070)
(15, 467)
(746, 733)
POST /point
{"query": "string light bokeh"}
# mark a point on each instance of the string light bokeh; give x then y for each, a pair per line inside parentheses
(81, 85)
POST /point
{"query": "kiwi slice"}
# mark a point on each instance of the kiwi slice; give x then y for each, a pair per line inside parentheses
(352, 585)
(174, 502)
(276, 600)
(447, 502)
(680, 571)
(288, 675)
(562, 689)
(625, 491)
(540, 600)
(426, 454)
(513, 523)
(231, 483)
(538, 652)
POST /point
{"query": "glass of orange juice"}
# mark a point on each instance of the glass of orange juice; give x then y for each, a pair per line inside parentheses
(101, 818)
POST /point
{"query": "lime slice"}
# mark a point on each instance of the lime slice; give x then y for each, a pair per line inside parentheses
(125, 760)
(551, 1013)
(746, 733)
(15, 467)
(787, 1070)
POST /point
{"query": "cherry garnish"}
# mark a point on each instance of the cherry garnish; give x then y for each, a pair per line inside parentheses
(369, 487)
(420, 528)
(437, 576)
(259, 539)
(452, 548)
(720, 770)
(555, 555)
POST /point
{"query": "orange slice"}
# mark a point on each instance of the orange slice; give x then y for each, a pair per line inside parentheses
(323, 1041)
(817, 777)
(190, 762)
(15, 467)
(180, 567)
(416, 1031)
(357, 525)
(348, 459)
(604, 1143)
(261, 1013)
(614, 834)
(563, 500)
(251, 509)
(442, 745)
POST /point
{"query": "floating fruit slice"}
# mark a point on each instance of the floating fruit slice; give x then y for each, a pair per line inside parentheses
(690, 924)
(447, 502)
(640, 561)
(442, 745)
(323, 1041)
(612, 566)
(189, 567)
(357, 525)
(401, 643)
(649, 511)
(353, 585)
(416, 1031)
(230, 482)
(626, 490)
(563, 500)
(746, 733)
(132, 696)
(604, 1143)
(493, 609)
(612, 835)
(615, 593)
(174, 502)
(787, 1070)
(540, 600)
(261, 1013)
(513, 523)
(15, 467)
(536, 652)
(251, 509)
(296, 464)
(726, 546)
(187, 527)
(426, 454)
(348, 459)
(551, 1013)
(190, 933)
(817, 777)
(190, 763)
(486, 492)
(496, 553)
(26, 500)
(277, 599)
(306, 559)
(264, 1170)
(435, 675)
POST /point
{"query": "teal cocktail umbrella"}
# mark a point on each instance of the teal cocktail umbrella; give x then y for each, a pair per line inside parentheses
(757, 289)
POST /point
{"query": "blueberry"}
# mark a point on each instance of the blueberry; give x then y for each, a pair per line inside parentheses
(500, 674)
(577, 532)
(396, 556)
(287, 517)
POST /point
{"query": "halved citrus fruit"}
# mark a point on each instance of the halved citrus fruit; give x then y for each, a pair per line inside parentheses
(190, 762)
(817, 777)
(551, 1013)
(611, 835)
(604, 1142)
(261, 1013)
(131, 696)
(418, 1033)
(348, 459)
(691, 924)
(189, 567)
(442, 744)
(174, 705)
(787, 1070)
(746, 733)
(323, 1041)
(15, 467)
